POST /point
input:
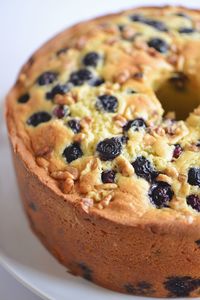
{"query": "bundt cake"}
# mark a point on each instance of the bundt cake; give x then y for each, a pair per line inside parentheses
(104, 123)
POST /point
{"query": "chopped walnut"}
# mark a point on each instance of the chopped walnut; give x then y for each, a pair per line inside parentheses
(79, 137)
(163, 177)
(67, 185)
(125, 166)
(86, 204)
(123, 76)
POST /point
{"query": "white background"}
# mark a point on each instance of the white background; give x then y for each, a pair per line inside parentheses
(24, 26)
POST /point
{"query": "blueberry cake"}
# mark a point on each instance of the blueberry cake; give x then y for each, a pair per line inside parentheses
(104, 123)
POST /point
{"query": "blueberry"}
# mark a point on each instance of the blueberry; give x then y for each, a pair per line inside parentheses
(109, 149)
(72, 152)
(107, 103)
(177, 151)
(39, 117)
(144, 169)
(183, 15)
(60, 111)
(186, 30)
(59, 89)
(153, 23)
(86, 271)
(194, 201)
(79, 77)
(108, 176)
(136, 124)
(194, 176)
(181, 286)
(160, 194)
(23, 98)
(47, 78)
(159, 45)
(96, 81)
(91, 59)
(179, 81)
(74, 125)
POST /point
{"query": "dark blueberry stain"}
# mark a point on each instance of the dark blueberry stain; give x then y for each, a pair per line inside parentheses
(194, 201)
(86, 271)
(186, 30)
(96, 82)
(107, 103)
(181, 286)
(160, 194)
(131, 91)
(124, 139)
(177, 151)
(135, 124)
(198, 242)
(72, 152)
(59, 89)
(159, 25)
(142, 288)
(109, 149)
(47, 78)
(61, 51)
(194, 176)
(91, 59)
(33, 206)
(61, 111)
(79, 77)
(39, 117)
(108, 176)
(144, 169)
(23, 98)
(158, 44)
(179, 81)
(74, 125)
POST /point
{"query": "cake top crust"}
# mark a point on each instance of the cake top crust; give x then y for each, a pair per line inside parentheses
(85, 115)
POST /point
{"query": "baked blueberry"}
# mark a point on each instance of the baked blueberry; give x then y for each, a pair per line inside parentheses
(74, 125)
(177, 151)
(59, 89)
(108, 176)
(158, 44)
(79, 77)
(194, 201)
(186, 30)
(198, 242)
(160, 194)
(47, 78)
(136, 124)
(181, 286)
(23, 98)
(72, 152)
(91, 59)
(183, 15)
(96, 81)
(194, 176)
(38, 118)
(86, 271)
(60, 111)
(107, 103)
(159, 25)
(144, 169)
(109, 149)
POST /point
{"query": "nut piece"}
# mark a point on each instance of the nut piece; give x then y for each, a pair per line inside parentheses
(163, 177)
(42, 162)
(123, 76)
(68, 185)
(125, 166)
(86, 204)
(79, 137)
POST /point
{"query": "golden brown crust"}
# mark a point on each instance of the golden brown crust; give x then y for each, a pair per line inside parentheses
(70, 208)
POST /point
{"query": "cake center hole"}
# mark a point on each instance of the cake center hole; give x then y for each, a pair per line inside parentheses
(178, 94)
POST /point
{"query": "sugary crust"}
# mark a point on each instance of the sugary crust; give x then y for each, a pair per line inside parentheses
(129, 232)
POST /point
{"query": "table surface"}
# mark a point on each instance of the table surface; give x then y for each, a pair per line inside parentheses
(25, 25)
